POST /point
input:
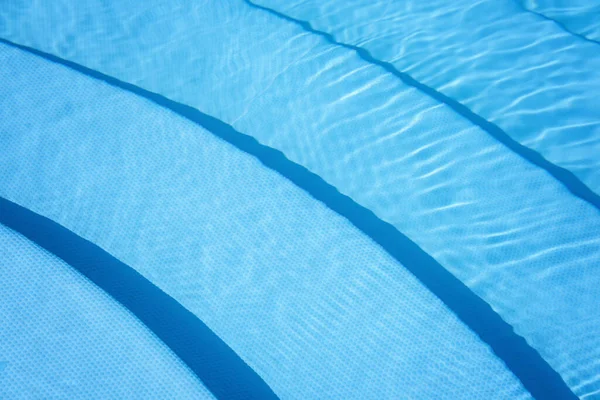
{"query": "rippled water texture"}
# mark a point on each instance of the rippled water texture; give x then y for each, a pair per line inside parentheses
(62, 337)
(578, 16)
(309, 302)
(524, 73)
(504, 226)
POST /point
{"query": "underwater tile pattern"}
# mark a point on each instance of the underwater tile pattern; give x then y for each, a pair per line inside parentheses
(64, 338)
(322, 82)
(307, 300)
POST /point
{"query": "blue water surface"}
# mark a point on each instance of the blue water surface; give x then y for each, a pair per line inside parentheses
(307, 300)
(472, 127)
(62, 337)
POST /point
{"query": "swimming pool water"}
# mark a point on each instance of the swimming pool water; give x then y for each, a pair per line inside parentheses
(239, 246)
(66, 336)
(578, 17)
(471, 127)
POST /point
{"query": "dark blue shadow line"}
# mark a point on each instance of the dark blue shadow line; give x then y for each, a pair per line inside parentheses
(564, 176)
(221, 370)
(520, 358)
(559, 24)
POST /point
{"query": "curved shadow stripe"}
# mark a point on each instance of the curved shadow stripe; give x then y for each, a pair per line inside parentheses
(524, 361)
(222, 371)
(564, 176)
(558, 23)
